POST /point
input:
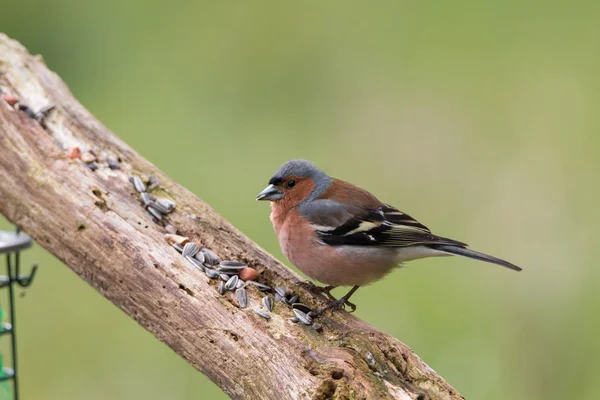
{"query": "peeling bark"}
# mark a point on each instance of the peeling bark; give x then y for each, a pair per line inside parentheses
(93, 222)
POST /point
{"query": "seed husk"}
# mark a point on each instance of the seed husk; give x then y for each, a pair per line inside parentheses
(137, 182)
(196, 263)
(158, 207)
(167, 204)
(302, 307)
(157, 216)
(190, 249)
(177, 247)
(231, 282)
(221, 287)
(268, 302)
(293, 299)
(211, 257)
(240, 284)
(224, 277)
(180, 240)
(113, 164)
(211, 273)
(200, 257)
(231, 265)
(261, 286)
(242, 297)
(93, 166)
(146, 198)
(263, 313)
(302, 317)
(281, 291)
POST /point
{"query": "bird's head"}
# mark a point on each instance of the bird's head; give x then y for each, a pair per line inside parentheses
(294, 182)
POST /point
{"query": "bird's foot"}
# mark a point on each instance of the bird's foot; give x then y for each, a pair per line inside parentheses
(337, 305)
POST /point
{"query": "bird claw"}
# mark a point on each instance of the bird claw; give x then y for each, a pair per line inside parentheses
(337, 305)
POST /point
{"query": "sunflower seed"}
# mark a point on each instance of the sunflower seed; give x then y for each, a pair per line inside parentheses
(112, 164)
(268, 302)
(200, 257)
(240, 284)
(195, 263)
(221, 287)
(211, 273)
(92, 165)
(211, 257)
(137, 182)
(263, 313)
(231, 282)
(302, 307)
(283, 292)
(370, 358)
(167, 204)
(242, 297)
(207, 265)
(177, 247)
(156, 216)
(262, 287)
(279, 298)
(293, 299)
(190, 249)
(224, 277)
(302, 317)
(146, 198)
(232, 265)
(158, 207)
(317, 326)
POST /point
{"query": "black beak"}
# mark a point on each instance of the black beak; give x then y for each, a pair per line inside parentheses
(270, 193)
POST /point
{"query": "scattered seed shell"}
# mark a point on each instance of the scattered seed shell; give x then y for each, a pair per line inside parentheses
(200, 257)
(221, 287)
(195, 262)
(281, 291)
(166, 204)
(268, 302)
(211, 257)
(231, 282)
(88, 157)
(177, 247)
(263, 313)
(158, 207)
(211, 273)
(302, 307)
(157, 216)
(248, 274)
(146, 198)
(279, 298)
(232, 265)
(190, 249)
(240, 284)
(180, 240)
(293, 299)
(137, 182)
(224, 277)
(302, 317)
(242, 297)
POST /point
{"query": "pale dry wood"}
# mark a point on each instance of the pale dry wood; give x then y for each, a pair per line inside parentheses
(94, 223)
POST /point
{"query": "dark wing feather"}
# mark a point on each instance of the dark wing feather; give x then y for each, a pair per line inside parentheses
(385, 226)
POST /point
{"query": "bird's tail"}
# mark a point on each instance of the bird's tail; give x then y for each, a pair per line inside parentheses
(461, 251)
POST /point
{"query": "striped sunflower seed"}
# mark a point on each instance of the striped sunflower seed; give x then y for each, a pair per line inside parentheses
(221, 288)
(293, 299)
(156, 216)
(302, 307)
(167, 204)
(177, 247)
(230, 285)
(190, 249)
(242, 297)
(279, 298)
(211, 273)
(146, 198)
(232, 265)
(224, 277)
(268, 302)
(158, 207)
(137, 182)
(302, 317)
(211, 257)
(240, 284)
(200, 257)
(195, 263)
(263, 313)
(283, 292)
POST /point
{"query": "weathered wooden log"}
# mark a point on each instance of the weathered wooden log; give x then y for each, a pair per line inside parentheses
(90, 217)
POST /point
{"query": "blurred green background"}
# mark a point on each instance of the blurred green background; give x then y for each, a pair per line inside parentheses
(478, 118)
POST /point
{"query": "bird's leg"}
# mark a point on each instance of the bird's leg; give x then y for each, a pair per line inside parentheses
(311, 287)
(339, 304)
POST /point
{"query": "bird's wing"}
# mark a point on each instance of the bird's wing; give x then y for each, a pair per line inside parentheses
(339, 224)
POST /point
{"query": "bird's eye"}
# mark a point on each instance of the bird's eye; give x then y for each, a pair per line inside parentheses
(291, 184)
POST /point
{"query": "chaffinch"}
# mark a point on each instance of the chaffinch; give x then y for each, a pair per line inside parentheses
(342, 235)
